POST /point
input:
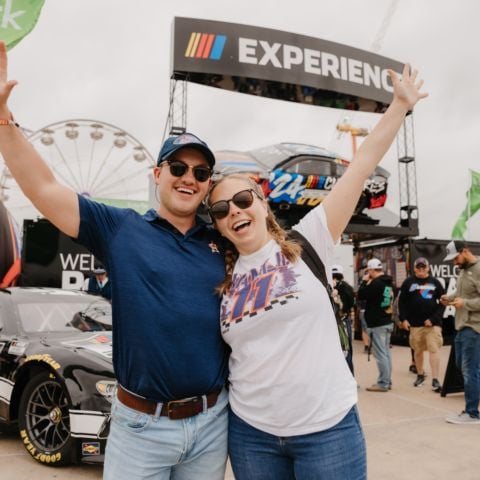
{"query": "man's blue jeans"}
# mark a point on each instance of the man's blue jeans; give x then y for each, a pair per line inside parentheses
(467, 358)
(380, 338)
(334, 454)
(145, 447)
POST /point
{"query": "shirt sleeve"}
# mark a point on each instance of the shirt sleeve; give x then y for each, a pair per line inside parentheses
(98, 225)
(402, 300)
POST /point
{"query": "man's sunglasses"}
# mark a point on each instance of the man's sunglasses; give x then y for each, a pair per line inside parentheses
(242, 199)
(179, 169)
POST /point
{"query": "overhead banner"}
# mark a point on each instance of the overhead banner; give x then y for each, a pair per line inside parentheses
(245, 58)
(17, 19)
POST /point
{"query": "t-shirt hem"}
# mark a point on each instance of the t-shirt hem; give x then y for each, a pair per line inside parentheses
(304, 430)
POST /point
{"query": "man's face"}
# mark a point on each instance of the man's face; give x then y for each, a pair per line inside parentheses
(421, 270)
(460, 261)
(181, 196)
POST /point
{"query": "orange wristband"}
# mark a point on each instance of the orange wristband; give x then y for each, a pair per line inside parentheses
(4, 121)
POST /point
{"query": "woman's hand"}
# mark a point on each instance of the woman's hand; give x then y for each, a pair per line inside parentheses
(407, 89)
(5, 85)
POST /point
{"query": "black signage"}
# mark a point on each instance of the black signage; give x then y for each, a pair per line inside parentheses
(52, 259)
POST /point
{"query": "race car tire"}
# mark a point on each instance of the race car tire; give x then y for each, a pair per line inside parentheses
(44, 421)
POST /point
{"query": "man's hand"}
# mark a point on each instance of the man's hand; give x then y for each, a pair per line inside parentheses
(457, 302)
(5, 85)
(428, 323)
(406, 325)
(444, 300)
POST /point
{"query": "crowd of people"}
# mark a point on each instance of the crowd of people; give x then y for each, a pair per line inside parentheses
(419, 304)
(224, 339)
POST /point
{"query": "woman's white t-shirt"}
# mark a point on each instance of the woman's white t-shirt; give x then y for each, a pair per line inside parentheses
(288, 374)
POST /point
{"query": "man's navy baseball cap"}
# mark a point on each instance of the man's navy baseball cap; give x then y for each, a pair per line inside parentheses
(173, 144)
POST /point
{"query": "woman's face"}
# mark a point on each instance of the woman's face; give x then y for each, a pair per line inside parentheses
(246, 228)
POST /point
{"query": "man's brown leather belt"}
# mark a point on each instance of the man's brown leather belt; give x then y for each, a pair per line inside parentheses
(175, 409)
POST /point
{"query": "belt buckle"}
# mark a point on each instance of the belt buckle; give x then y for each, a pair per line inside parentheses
(174, 405)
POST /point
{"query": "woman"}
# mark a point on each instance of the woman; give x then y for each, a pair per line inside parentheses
(292, 396)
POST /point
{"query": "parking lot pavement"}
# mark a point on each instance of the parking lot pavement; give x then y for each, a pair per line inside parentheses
(17, 464)
(407, 436)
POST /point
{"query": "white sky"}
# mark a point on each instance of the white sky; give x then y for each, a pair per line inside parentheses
(109, 60)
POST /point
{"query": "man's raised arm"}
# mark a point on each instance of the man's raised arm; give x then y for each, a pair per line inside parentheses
(55, 201)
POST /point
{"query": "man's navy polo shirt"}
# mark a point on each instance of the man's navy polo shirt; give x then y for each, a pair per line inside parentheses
(166, 330)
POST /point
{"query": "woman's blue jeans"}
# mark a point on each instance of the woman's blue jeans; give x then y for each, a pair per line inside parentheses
(467, 358)
(338, 453)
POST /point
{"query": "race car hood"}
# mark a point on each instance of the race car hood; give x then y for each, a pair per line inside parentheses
(91, 344)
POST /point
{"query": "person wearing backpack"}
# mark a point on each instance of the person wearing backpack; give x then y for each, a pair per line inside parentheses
(377, 291)
(293, 411)
(346, 295)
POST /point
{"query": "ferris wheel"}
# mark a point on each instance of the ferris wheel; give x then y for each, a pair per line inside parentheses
(96, 159)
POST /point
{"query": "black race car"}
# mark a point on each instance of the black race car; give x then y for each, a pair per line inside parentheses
(297, 177)
(56, 375)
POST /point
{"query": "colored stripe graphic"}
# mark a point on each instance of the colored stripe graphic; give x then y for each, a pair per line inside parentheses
(201, 45)
(218, 47)
(205, 45)
(208, 46)
(190, 45)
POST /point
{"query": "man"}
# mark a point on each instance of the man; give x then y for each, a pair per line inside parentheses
(99, 284)
(420, 312)
(377, 291)
(347, 302)
(169, 417)
(466, 300)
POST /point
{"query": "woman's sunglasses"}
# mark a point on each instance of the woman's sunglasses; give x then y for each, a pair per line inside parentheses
(179, 169)
(242, 199)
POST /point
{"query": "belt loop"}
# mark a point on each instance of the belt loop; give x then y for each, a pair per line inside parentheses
(205, 403)
(158, 411)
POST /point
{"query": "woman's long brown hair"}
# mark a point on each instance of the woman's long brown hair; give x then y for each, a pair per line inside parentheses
(289, 248)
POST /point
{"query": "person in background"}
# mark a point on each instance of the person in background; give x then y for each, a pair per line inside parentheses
(377, 291)
(293, 399)
(169, 416)
(466, 300)
(347, 303)
(99, 284)
(420, 313)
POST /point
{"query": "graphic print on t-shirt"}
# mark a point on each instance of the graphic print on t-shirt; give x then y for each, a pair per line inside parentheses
(273, 284)
(426, 290)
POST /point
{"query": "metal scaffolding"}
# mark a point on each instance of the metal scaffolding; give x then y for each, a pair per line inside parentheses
(177, 111)
(407, 175)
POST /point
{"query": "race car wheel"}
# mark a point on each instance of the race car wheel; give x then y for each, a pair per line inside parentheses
(44, 420)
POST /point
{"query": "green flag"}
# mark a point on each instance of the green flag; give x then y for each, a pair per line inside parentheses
(473, 206)
(17, 19)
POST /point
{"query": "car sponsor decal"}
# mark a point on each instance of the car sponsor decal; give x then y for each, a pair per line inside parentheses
(17, 347)
(40, 456)
(99, 343)
(90, 448)
(87, 424)
(6, 389)
(290, 187)
(43, 357)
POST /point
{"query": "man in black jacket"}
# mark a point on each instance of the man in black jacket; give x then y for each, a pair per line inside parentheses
(376, 289)
(421, 312)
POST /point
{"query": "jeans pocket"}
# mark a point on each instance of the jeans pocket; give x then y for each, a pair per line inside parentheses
(129, 419)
